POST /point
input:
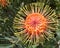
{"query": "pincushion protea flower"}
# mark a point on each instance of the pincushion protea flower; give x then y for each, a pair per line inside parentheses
(3, 3)
(35, 23)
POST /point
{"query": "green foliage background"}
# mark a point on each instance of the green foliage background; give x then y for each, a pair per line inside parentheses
(7, 14)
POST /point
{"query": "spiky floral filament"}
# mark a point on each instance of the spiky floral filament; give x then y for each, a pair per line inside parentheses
(34, 23)
(3, 3)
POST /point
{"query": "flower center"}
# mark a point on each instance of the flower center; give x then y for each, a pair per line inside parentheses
(35, 22)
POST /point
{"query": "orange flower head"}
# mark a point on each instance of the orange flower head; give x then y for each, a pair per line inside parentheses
(35, 22)
(3, 3)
